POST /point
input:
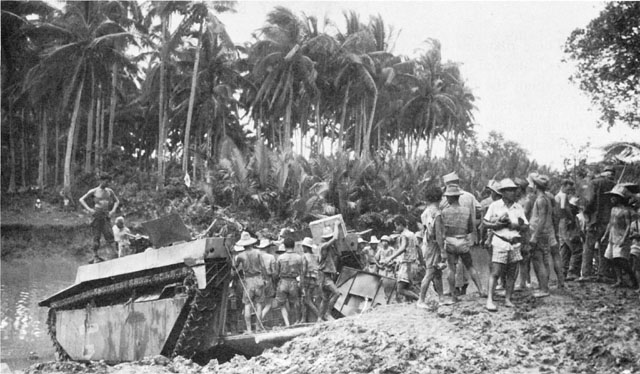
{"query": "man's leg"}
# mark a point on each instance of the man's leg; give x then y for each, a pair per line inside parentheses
(403, 289)
(511, 271)
(451, 278)
(605, 266)
(247, 316)
(557, 265)
(576, 260)
(525, 266)
(496, 270)
(468, 263)
(537, 258)
(565, 255)
(587, 251)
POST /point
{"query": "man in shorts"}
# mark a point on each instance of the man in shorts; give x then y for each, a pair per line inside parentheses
(384, 252)
(105, 204)
(328, 269)
(271, 280)
(435, 257)
(458, 230)
(310, 291)
(251, 263)
(290, 268)
(407, 247)
(506, 219)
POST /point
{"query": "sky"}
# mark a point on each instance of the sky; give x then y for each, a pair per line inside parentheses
(511, 55)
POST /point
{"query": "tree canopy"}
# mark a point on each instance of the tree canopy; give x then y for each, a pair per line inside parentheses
(607, 53)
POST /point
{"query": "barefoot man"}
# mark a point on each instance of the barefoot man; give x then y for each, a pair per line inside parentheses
(103, 198)
(507, 220)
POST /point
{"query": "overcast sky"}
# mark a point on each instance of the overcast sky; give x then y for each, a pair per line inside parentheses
(511, 55)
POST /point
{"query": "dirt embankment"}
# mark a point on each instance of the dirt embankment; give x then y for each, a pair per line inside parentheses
(590, 328)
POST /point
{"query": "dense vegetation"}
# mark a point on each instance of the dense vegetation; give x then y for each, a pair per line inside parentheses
(158, 95)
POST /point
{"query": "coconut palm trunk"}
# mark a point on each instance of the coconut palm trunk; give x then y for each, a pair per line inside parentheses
(192, 99)
(70, 137)
(42, 151)
(90, 128)
(112, 104)
(367, 137)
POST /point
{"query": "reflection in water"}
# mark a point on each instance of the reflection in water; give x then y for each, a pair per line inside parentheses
(23, 324)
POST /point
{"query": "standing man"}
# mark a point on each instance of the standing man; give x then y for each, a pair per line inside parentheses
(271, 279)
(506, 219)
(435, 257)
(105, 203)
(290, 267)
(310, 284)
(328, 269)
(384, 253)
(122, 236)
(470, 202)
(525, 197)
(458, 228)
(407, 247)
(252, 265)
(543, 238)
(565, 219)
(597, 210)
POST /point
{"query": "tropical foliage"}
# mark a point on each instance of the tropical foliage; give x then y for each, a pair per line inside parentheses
(307, 119)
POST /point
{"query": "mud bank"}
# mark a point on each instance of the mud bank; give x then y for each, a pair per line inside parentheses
(20, 240)
(589, 328)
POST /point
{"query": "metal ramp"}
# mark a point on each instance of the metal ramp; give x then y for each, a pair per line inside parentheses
(360, 290)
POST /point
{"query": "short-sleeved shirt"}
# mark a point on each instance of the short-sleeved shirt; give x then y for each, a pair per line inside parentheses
(498, 209)
(121, 235)
(290, 265)
(457, 217)
(251, 262)
(383, 254)
(328, 258)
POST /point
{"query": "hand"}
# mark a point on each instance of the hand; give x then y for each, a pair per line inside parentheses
(91, 210)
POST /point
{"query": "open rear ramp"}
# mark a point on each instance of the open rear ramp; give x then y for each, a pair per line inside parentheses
(360, 290)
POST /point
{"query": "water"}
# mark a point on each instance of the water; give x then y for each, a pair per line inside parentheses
(23, 324)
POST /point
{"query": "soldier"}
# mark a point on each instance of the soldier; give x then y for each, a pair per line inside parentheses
(458, 228)
(407, 244)
(270, 281)
(290, 267)
(252, 265)
(103, 198)
(384, 252)
(310, 284)
(434, 255)
(328, 269)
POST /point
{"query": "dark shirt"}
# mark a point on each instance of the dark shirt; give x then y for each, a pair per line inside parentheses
(597, 204)
(290, 265)
(328, 258)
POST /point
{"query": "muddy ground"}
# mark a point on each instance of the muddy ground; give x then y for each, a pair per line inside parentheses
(588, 328)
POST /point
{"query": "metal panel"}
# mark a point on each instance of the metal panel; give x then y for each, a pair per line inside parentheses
(120, 332)
(166, 230)
(360, 290)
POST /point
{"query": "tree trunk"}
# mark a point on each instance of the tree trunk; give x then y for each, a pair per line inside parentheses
(89, 147)
(112, 104)
(161, 112)
(287, 127)
(192, 99)
(42, 153)
(72, 128)
(56, 178)
(343, 118)
(23, 158)
(367, 137)
(12, 153)
(196, 155)
(100, 118)
(320, 128)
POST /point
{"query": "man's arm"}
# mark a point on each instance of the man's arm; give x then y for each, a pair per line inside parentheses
(84, 203)
(116, 203)
(401, 248)
(439, 227)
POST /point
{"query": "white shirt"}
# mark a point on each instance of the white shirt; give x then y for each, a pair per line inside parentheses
(498, 209)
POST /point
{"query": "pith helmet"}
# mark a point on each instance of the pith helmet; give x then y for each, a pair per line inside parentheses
(374, 240)
(307, 242)
(506, 184)
(450, 178)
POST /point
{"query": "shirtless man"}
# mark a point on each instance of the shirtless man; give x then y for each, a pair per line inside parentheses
(407, 247)
(251, 262)
(328, 268)
(103, 197)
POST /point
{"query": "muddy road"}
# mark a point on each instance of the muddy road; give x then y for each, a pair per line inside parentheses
(587, 328)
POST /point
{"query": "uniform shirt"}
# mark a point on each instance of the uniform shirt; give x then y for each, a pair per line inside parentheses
(251, 262)
(598, 205)
(328, 258)
(456, 218)
(290, 265)
(383, 254)
(468, 201)
(542, 214)
(498, 209)
(312, 264)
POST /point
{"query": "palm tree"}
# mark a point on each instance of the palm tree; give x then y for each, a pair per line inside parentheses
(78, 53)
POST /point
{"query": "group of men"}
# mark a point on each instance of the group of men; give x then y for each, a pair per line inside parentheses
(292, 281)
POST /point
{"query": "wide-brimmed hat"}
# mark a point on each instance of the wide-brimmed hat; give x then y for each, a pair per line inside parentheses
(574, 200)
(246, 239)
(360, 240)
(506, 183)
(452, 190)
(281, 248)
(522, 183)
(494, 186)
(307, 242)
(264, 243)
(451, 177)
(618, 190)
(385, 238)
(374, 240)
(539, 180)
(327, 232)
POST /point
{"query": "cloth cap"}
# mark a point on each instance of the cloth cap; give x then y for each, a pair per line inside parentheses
(327, 232)
(618, 190)
(246, 239)
(307, 242)
(451, 177)
(452, 190)
(385, 238)
(540, 180)
(506, 183)
(374, 240)
(264, 243)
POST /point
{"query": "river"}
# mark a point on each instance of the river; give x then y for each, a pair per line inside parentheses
(23, 325)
